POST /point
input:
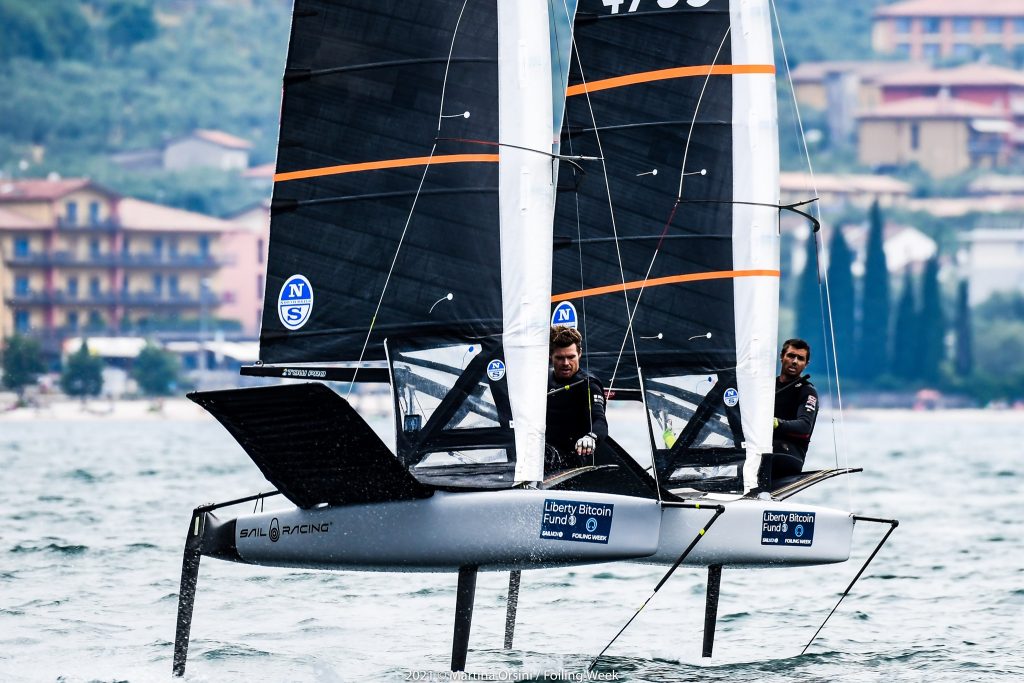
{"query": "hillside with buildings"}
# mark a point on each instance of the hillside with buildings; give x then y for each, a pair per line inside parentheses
(137, 157)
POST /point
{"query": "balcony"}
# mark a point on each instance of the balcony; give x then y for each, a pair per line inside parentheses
(105, 224)
(30, 299)
(66, 259)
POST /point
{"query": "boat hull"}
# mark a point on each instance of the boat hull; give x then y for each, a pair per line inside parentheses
(492, 530)
(756, 533)
(529, 529)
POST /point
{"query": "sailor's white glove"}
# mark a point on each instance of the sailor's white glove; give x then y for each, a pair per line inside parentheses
(586, 444)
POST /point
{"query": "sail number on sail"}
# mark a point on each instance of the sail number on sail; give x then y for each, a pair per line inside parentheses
(663, 4)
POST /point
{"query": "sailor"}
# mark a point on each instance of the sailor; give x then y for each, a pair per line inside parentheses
(796, 407)
(576, 423)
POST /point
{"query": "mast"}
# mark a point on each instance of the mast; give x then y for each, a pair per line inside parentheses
(526, 202)
(755, 244)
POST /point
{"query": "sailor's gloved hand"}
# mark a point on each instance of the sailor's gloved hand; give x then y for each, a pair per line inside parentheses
(586, 444)
(776, 426)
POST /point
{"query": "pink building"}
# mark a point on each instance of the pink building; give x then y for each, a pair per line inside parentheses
(943, 29)
(242, 278)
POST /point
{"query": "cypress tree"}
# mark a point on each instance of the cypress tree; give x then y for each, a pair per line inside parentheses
(873, 338)
(841, 297)
(905, 337)
(964, 360)
(932, 324)
(808, 304)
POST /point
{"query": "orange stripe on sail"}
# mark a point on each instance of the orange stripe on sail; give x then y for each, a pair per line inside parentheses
(665, 74)
(668, 280)
(387, 163)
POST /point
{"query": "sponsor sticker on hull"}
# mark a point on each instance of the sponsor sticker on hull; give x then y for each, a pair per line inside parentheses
(782, 527)
(576, 520)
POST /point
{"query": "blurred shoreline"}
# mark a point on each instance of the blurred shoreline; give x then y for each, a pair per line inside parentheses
(179, 408)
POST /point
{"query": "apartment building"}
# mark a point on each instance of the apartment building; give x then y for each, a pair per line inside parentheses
(76, 258)
(942, 29)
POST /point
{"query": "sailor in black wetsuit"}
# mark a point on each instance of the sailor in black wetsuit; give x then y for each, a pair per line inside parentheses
(796, 407)
(575, 414)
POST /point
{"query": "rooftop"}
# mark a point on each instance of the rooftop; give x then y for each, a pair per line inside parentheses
(932, 108)
(817, 71)
(219, 137)
(136, 214)
(952, 8)
(43, 189)
(850, 182)
(966, 75)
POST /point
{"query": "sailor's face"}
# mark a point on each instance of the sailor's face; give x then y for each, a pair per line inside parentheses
(566, 362)
(794, 361)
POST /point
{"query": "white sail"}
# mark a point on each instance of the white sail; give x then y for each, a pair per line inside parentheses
(527, 213)
(755, 228)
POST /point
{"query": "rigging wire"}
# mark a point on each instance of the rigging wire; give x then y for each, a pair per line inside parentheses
(629, 336)
(824, 300)
(675, 205)
(412, 209)
(562, 71)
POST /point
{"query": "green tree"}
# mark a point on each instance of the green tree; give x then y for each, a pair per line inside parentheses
(841, 297)
(932, 347)
(873, 336)
(83, 373)
(23, 363)
(130, 22)
(808, 302)
(906, 336)
(963, 360)
(156, 371)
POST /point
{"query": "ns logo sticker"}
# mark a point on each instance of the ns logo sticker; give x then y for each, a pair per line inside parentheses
(295, 302)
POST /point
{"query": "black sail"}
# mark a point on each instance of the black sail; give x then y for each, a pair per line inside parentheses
(645, 230)
(643, 133)
(389, 245)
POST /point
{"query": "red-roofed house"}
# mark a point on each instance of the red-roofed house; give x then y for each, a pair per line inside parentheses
(76, 257)
(209, 148)
(943, 135)
(940, 29)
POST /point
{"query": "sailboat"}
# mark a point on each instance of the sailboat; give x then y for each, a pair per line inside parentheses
(452, 179)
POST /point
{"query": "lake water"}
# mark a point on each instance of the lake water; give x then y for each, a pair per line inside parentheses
(95, 512)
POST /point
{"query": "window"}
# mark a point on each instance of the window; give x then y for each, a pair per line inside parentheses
(961, 24)
(901, 24)
(158, 283)
(21, 247)
(95, 320)
(930, 24)
(22, 321)
(994, 25)
(931, 51)
(94, 248)
(1018, 25)
(94, 213)
(903, 50)
(73, 287)
(126, 245)
(71, 213)
(172, 247)
(21, 285)
(204, 246)
(915, 136)
(963, 50)
(94, 286)
(259, 287)
(261, 248)
(72, 319)
(172, 284)
(158, 246)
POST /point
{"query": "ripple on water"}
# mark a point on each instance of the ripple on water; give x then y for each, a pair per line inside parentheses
(59, 548)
